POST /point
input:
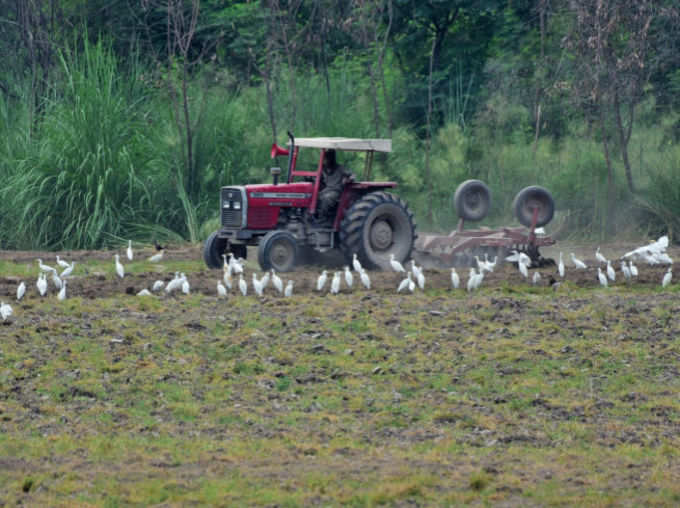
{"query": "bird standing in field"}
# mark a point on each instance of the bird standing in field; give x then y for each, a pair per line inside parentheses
(129, 250)
(420, 278)
(396, 265)
(455, 279)
(174, 284)
(185, 285)
(158, 285)
(600, 258)
(265, 280)
(56, 280)
(61, 262)
(227, 279)
(349, 278)
(365, 280)
(235, 264)
(242, 285)
(21, 290)
(523, 269)
(221, 290)
(62, 292)
(536, 278)
(289, 289)
(68, 270)
(405, 284)
(472, 279)
(257, 286)
(578, 263)
(633, 269)
(321, 281)
(45, 268)
(41, 284)
(610, 271)
(560, 266)
(277, 282)
(144, 292)
(335, 283)
(156, 257)
(5, 311)
(625, 270)
(667, 278)
(356, 264)
(602, 277)
(120, 270)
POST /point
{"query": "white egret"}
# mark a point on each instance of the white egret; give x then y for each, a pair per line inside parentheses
(349, 278)
(600, 258)
(129, 250)
(120, 270)
(633, 269)
(396, 265)
(455, 279)
(21, 290)
(56, 280)
(415, 270)
(289, 289)
(404, 284)
(144, 292)
(5, 311)
(236, 266)
(45, 268)
(186, 288)
(513, 257)
(62, 263)
(41, 284)
(156, 257)
(577, 262)
(625, 270)
(257, 286)
(356, 264)
(667, 278)
(335, 283)
(158, 285)
(175, 283)
(321, 281)
(523, 270)
(602, 277)
(68, 270)
(265, 280)
(536, 278)
(221, 290)
(242, 285)
(611, 273)
(227, 279)
(420, 277)
(365, 280)
(277, 282)
(62, 292)
(491, 264)
(560, 266)
(411, 285)
(471, 280)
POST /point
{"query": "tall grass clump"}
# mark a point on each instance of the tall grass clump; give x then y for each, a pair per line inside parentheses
(92, 160)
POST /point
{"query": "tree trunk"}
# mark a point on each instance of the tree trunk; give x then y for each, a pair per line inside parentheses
(624, 138)
(428, 139)
(610, 176)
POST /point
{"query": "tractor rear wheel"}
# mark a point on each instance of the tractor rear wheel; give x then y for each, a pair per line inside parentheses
(277, 250)
(374, 227)
(213, 249)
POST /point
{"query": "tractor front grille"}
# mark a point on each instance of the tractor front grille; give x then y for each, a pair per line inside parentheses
(233, 207)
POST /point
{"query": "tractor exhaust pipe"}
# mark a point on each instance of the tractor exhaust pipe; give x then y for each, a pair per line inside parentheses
(275, 174)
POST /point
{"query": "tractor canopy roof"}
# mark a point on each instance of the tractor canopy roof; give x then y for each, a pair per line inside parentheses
(347, 144)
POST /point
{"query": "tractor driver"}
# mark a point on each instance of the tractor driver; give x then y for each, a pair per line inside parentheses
(333, 180)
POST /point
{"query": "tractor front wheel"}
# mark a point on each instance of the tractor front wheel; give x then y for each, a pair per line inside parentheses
(375, 226)
(277, 250)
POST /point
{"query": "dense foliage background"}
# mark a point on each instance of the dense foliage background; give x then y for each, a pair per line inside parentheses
(121, 118)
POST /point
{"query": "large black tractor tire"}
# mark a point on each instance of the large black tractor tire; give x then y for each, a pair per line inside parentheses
(213, 248)
(278, 250)
(375, 226)
(472, 200)
(529, 199)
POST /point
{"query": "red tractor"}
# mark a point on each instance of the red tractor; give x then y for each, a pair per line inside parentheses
(280, 217)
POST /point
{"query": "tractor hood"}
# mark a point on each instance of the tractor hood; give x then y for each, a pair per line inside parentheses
(286, 194)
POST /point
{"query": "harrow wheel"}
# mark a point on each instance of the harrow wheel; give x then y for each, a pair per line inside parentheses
(472, 200)
(530, 199)
(375, 226)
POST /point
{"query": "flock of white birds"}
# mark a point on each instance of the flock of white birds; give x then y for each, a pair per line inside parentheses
(653, 253)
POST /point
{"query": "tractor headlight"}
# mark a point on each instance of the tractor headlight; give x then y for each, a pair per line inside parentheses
(237, 205)
(225, 205)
